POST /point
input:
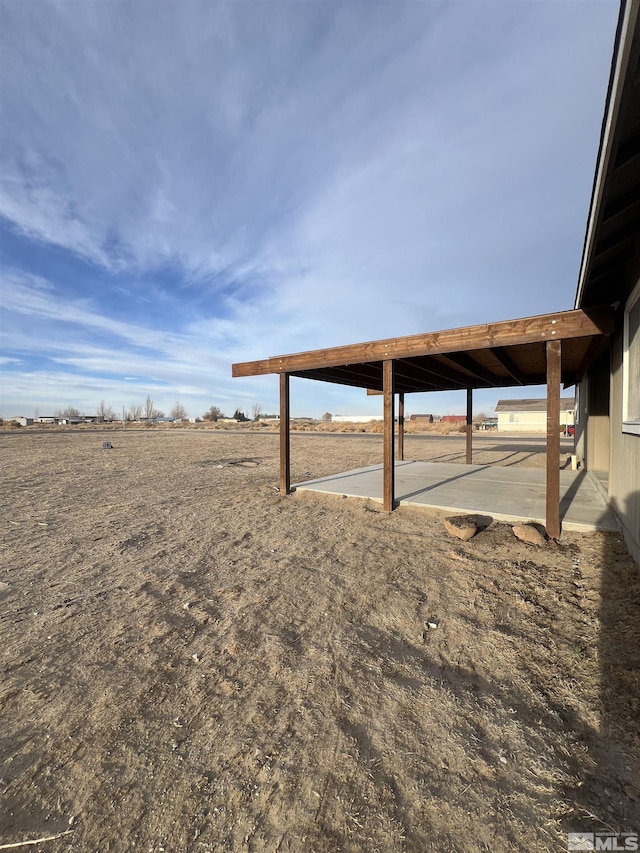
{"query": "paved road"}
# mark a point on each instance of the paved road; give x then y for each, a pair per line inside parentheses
(520, 442)
(497, 441)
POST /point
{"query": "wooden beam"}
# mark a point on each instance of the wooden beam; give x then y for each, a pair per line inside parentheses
(469, 426)
(364, 378)
(564, 324)
(554, 354)
(621, 205)
(462, 359)
(627, 152)
(388, 460)
(506, 361)
(430, 367)
(596, 347)
(622, 235)
(356, 374)
(404, 373)
(605, 268)
(400, 451)
(285, 434)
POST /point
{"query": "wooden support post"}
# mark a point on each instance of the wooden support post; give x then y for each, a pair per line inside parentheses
(389, 464)
(554, 353)
(469, 426)
(285, 448)
(400, 451)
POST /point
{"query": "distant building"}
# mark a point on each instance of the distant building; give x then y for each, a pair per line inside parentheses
(454, 419)
(531, 415)
(421, 420)
(20, 419)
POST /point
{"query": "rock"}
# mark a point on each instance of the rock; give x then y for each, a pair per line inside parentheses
(432, 624)
(529, 533)
(461, 526)
(3, 586)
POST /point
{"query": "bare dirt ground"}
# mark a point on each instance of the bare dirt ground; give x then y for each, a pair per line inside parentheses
(190, 662)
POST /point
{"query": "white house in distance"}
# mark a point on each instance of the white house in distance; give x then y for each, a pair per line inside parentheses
(531, 415)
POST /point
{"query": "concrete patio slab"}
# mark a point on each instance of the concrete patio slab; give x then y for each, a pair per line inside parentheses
(507, 494)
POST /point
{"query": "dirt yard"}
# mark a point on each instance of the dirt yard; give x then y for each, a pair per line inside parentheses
(190, 662)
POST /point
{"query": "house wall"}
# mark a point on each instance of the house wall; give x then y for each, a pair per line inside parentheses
(601, 395)
(598, 393)
(528, 421)
(624, 475)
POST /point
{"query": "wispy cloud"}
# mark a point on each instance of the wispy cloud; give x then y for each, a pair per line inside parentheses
(208, 182)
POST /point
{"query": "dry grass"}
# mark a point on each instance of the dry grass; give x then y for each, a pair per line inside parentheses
(193, 663)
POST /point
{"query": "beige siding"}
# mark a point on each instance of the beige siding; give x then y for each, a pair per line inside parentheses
(624, 476)
(598, 391)
(528, 421)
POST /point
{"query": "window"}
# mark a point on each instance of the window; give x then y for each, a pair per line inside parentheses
(513, 419)
(631, 364)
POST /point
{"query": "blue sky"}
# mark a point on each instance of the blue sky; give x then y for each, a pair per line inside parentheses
(188, 184)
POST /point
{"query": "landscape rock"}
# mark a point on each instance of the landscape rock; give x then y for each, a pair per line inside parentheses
(461, 526)
(529, 533)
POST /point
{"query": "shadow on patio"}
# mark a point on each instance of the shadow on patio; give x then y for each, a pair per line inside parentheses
(508, 494)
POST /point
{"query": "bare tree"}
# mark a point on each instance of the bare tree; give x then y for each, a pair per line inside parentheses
(105, 413)
(256, 411)
(178, 411)
(213, 414)
(148, 408)
(135, 412)
(327, 417)
(71, 412)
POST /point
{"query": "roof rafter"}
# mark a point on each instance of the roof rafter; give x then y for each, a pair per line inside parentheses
(620, 205)
(433, 376)
(628, 232)
(507, 362)
(466, 362)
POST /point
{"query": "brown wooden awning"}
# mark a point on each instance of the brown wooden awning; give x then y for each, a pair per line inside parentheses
(549, 348)
(492, 355)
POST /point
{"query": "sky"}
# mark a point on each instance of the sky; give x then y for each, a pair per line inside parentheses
(188, 184)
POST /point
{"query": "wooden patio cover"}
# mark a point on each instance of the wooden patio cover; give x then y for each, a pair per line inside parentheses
(550, 348)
